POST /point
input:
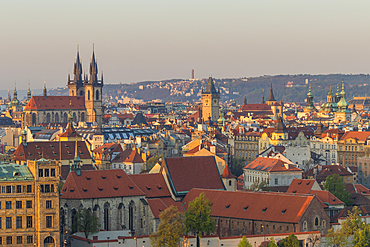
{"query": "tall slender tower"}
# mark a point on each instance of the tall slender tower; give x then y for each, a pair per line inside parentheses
(210, 102)
(93, 93)
(271, 100)
(75, 86)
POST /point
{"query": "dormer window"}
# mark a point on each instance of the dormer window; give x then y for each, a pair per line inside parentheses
(264, 210)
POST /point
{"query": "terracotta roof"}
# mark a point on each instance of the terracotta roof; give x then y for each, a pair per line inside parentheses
(99, 184)
(326, 197)
(70, 132)
(327, 170)
(358, 135)
(205, 144)
(56, 103)
(186, 173)
(227, 173)
(134, 157)
(158, 205)
(333, 133)
(271, 165)
(359, 199)
(302, 186)
(278, 207)
(255, 107)
(122, 156)
(357, 188)
(64, 170)
(152, 184)
(108, 148)
(51, 150)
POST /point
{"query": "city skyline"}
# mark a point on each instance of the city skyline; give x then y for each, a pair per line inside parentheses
(139, 41)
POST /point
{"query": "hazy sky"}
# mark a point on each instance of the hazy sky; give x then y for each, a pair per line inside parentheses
(152, 39)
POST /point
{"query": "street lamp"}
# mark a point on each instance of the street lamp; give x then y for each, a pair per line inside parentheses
(108, 240)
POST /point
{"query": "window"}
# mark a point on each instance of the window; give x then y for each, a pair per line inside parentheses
(41, 188)
(49, 221)
(1, 240)
(52, 172)
(276, 181)
(0, 226)
(46, 174)
(28, 204)
(8, 222)
(41, 173)
(316, 221)
(47, 188)
(18, 204)
(48, 204)
(29, 188)
(8, 189)
(18, 222)
(29, 239)
(324, 224)
(19, 239)
(29, 221)
(3, 189)
(9, 240)
(8, 205)
(19, 188)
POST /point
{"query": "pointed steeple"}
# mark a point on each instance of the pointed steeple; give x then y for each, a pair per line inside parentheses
(77, 161)
(271, 95)
(29, 95)
(15, 101)
(93, 68)
(210, 89)
(77, 71)
(245, 100)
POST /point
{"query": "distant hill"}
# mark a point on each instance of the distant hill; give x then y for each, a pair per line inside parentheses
(236, 88)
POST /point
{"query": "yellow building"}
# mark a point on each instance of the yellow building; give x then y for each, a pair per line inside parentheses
(29, 200)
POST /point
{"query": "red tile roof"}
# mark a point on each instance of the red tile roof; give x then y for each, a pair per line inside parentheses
(186, 173)
(327, 170)
(278, 207)
(99, 184)
(255, 107)
(122, 156)
(134, 157)
(158, 205)
(56, 103)
(51, 150)
(152, 184)
(302, 186)
(108, 148)
(358, 135)
(227, 173)
(326, 197)
(64, 170)
(271, 165)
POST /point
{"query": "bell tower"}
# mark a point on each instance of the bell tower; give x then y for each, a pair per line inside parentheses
(210, 102)
(93, 93)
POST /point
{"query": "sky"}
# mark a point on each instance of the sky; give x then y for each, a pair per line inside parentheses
(143, 40)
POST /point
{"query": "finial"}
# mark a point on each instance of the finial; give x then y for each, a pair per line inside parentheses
(78, 47)
(93, 47)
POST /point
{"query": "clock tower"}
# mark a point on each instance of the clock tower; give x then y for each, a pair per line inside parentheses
(210, 102)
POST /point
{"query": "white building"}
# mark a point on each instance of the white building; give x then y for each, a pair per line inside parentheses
(272, 170)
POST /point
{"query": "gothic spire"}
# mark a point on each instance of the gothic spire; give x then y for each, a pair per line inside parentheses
(271, 96)
(93, 68)
(77, 71)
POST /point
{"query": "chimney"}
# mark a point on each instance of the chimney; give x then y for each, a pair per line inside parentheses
(95, 237)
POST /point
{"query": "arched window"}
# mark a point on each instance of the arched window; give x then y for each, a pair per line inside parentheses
(74, 117)
(65, 118)
(106, 217)
(34, 121)
(56, 118)
(81, 93)
(73, 93)
(97, 94)
(121, 217)
(48, 118)
(305, 226)
(316, 221)
(74, 213)
(324, 224)
(88, 95)
(131, 215)
(82, 119)
(49, 240)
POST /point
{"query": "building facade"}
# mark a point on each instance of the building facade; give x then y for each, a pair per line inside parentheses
(30, 204)
(210, 102)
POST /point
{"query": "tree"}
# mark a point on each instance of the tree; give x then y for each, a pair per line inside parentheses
(313, 239)
(237, 166)
(258, 186)
(268, 243)
(170, 228)
(244, 242)
(86, 222)
(335, 185)
(353, 232)
(290, 241)
(151, 162)
(198, 217)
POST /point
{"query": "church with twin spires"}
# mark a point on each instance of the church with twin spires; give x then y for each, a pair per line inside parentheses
(84, 99)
